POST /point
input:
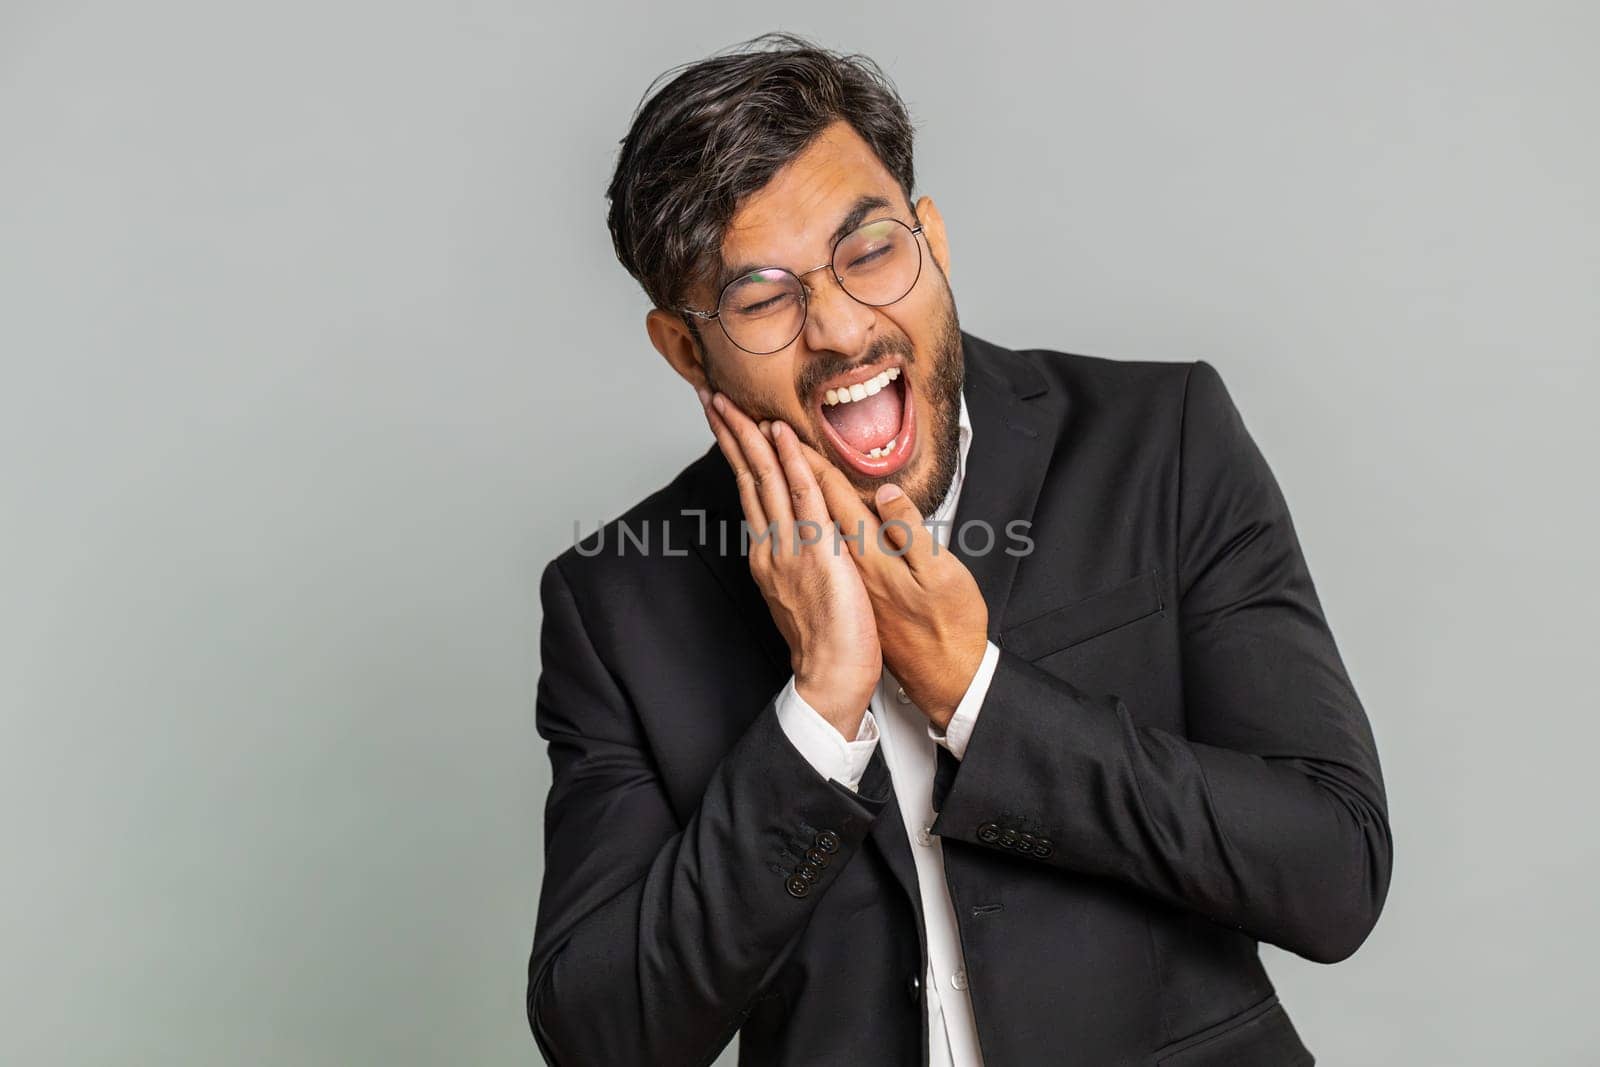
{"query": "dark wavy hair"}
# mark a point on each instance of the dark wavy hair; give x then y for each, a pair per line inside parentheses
(718, 131)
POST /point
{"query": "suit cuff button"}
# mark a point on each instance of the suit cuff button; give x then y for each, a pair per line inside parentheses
(827, 841)
(797, 886)
(988, 833)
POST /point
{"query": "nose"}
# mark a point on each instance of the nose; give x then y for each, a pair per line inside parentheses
(835, 321)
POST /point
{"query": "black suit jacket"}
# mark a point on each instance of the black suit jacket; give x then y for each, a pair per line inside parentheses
(1170, 766)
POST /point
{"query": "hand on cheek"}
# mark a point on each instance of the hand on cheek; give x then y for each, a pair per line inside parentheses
(815, 595)
(931, 617)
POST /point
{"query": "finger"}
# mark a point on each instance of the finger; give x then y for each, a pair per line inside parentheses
(840, 497)
(771, 485)
(767, 475)
(903, 527)
(754, 514)
(805, 495)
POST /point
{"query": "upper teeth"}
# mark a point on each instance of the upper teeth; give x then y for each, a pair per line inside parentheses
(861, 390)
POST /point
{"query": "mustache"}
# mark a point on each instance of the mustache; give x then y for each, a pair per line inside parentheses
(820, 369)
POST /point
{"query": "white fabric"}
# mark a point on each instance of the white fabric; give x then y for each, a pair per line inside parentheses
(908, 740)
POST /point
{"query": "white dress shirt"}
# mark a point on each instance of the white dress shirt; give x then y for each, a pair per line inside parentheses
(908, 740)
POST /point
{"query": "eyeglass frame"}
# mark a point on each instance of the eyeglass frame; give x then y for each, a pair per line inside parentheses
(805, 291)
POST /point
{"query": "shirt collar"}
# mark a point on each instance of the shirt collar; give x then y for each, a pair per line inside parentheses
(947, 507)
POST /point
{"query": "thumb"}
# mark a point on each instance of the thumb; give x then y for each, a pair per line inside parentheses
(902, 523)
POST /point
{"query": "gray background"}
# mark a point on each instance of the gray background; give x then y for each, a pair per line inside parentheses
(314, 349)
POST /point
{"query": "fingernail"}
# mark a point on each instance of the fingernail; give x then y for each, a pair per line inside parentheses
(888, 491)
(718, 403)
(766, 428)
(777, 428)
(704, 395)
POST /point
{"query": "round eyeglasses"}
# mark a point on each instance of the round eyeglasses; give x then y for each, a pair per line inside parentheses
(763, 311)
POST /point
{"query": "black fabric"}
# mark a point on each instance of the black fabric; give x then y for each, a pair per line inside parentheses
(1170, 766)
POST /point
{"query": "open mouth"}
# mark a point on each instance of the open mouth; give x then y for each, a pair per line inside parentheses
(869, 419)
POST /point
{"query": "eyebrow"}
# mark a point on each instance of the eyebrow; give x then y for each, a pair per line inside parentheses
(864, 206)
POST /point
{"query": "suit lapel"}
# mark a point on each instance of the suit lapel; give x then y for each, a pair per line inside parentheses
(1014, 426)
(1012, 438)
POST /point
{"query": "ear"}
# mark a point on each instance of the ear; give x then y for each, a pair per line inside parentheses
(933, 229)
(671, 336)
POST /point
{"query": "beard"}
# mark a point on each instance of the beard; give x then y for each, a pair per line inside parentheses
(941, 370)
(946, 369)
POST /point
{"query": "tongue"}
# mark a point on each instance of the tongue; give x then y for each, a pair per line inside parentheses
(870, 422)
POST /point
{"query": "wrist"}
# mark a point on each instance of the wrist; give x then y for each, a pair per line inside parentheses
(947, 697)
(842, 708)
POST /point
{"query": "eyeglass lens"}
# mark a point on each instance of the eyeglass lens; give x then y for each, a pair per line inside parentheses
(876, 265)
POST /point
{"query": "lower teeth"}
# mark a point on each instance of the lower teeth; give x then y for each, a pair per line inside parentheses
(879, 453)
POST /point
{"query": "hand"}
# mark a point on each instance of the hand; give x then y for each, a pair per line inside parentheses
(814, 592)
(933, 623)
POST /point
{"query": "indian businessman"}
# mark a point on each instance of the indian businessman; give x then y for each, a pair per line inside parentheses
(960, 705)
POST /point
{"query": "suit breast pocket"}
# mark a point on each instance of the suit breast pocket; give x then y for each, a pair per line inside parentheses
(1098, 613)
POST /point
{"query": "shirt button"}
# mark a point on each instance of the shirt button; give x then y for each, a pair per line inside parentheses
(959, 980)
(924, 836)
(900, 695)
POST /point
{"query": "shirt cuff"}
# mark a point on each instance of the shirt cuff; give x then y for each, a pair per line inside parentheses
(958, 731)
(823, 746)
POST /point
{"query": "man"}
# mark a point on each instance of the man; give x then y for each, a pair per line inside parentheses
(1011, 726)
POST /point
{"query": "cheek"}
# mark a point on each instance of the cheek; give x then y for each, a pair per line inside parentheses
(917, 316)
(763, 391)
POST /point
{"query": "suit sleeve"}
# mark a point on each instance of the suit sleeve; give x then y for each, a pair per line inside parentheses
(1268, 814)
(652, 936)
